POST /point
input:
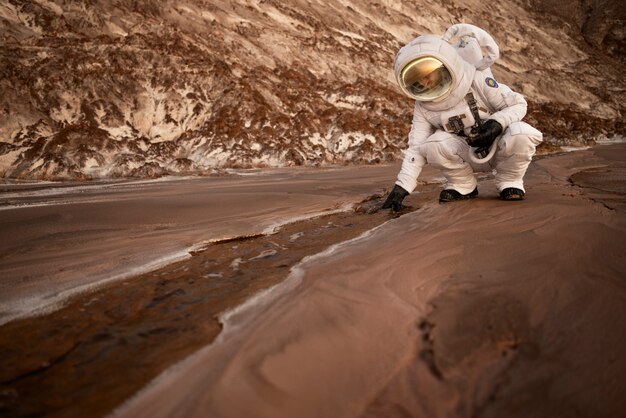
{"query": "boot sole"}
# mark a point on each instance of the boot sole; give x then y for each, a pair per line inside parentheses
(456, 199)
(512, 198)
(471, 195)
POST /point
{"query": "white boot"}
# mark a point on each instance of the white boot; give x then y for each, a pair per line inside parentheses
(515, 151)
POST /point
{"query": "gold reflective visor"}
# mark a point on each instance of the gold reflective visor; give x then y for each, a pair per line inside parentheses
(425, 79)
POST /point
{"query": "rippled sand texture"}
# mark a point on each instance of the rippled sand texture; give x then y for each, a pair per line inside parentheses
(146, 323)
(483, 308)
(58, 241)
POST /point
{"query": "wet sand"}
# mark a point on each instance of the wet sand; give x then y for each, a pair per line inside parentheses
(59, 240)
(131, 331)
(481, 308)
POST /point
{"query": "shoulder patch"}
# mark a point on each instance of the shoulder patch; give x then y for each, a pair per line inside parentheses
(491, 82)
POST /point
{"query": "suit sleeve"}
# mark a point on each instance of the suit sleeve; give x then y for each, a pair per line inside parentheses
(413, 161)
(509, 106)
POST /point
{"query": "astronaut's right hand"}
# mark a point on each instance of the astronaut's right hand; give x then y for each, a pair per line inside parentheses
(395, 198)
(487, 133)
(481, 152)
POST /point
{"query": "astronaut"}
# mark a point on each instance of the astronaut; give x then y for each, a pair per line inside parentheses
(464, 120)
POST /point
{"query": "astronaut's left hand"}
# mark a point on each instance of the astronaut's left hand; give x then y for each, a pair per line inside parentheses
(487, 133)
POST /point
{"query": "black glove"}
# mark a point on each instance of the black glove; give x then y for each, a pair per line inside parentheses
(481, 152)
(487, 133)
(395, 198)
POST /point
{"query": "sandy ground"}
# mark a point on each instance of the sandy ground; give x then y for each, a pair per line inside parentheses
(58, 240)
(144, 324)
(481, 308)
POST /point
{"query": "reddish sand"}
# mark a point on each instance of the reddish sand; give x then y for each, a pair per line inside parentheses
(54, 364)
(480, 308)
(59, 241)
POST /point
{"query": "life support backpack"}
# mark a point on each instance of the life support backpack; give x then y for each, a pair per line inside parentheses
(470, 44)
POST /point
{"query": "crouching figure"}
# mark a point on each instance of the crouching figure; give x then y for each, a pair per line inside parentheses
(464, 120)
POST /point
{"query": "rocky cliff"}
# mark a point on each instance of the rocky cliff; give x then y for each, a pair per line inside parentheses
(108, 88)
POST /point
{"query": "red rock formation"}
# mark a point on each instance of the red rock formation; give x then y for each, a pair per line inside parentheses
(106, 89)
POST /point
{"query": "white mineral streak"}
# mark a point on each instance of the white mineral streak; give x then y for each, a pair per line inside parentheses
(343, 336)
(60, 240)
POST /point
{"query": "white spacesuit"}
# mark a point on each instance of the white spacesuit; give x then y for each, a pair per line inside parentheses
(464, 120)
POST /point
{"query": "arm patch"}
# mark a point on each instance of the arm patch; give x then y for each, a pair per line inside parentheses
(491, 82)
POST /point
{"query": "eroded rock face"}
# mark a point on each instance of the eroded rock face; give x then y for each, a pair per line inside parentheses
(601, 22)
(109, 88)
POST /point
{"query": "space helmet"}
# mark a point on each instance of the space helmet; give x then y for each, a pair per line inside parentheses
(437, 73)
(425, 78)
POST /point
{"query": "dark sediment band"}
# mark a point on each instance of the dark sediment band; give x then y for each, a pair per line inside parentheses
(98, 350)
